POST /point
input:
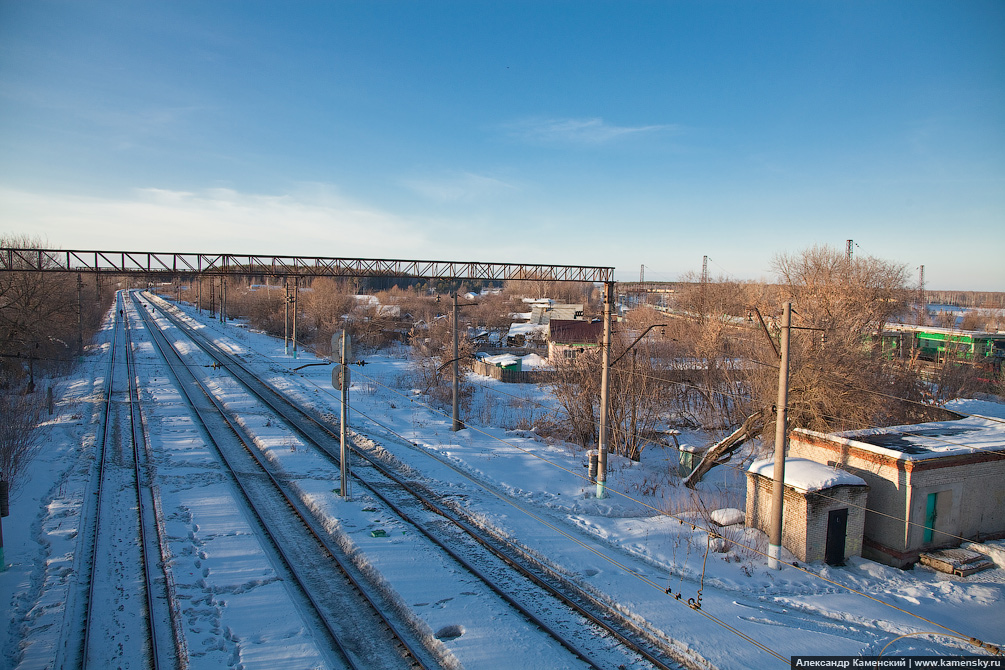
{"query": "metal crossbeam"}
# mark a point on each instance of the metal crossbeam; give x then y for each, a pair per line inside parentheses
(145, 262)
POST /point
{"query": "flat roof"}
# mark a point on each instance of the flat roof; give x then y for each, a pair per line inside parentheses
(927, 440)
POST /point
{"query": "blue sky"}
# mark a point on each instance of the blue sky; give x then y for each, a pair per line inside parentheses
(580, 133)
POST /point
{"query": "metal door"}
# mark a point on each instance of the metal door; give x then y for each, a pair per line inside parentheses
(837, 530)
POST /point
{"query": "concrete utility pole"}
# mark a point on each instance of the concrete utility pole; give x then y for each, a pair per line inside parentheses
(605, 378)
(344, 355)
(296, 295)
(80, 318)
(456, 424)
(781, 438)
(286, 317)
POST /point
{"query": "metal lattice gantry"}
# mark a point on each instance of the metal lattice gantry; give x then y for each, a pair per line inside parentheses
(170, 263)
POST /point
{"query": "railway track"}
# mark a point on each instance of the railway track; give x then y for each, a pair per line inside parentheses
(369, 638)
(577, 621)
(127, 579)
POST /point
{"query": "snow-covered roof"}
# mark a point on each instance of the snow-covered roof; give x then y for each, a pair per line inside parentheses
(531, 329)
(502, 360)
(920, 441)
(807, 475)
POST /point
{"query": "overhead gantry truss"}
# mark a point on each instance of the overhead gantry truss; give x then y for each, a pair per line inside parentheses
(169, 263)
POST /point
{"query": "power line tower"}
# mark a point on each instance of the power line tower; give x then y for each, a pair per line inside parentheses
(704, 286)
(849, 245)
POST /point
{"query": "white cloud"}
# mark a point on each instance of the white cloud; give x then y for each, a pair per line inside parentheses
(314, 221)
(462, 187)
(577, 131)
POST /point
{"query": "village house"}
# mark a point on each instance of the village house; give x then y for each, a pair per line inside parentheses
(569, 338)
(535, 330)
(823, 513)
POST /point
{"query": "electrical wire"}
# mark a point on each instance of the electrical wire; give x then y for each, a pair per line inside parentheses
(694, 526)
(743, 471)
(550, 525)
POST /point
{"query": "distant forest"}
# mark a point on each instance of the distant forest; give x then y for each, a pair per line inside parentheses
(990, 299)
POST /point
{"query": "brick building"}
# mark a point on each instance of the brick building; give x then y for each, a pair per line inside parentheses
(823, 512)
(930, 484)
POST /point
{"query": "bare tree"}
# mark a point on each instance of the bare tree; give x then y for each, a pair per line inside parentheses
(39, 327)
(839, 377)
(576, 388)
(20, 439)
(641, 390)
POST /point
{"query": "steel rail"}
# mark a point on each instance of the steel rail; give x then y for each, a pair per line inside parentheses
(406, 650)
(120, 350)
(91, 571)
(149, 513)
(294, 415)
(222, 358)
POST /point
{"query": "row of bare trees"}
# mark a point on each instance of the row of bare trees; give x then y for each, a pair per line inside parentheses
(713, 363)
(710, 363)
(45, 320)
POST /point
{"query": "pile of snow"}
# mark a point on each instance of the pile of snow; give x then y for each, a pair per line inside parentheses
(728, 516)
(534, 361)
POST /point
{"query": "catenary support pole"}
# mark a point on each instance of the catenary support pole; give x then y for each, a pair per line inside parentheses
(781, 439)
(456, 424)
(605, 377)
(344, 418)
(80, 318)
(286, 317)
(296, 297)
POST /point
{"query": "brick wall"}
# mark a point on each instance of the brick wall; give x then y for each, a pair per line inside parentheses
(805, 516)
(899, 490)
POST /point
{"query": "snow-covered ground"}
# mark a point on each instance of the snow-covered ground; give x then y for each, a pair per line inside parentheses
(639, 548)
